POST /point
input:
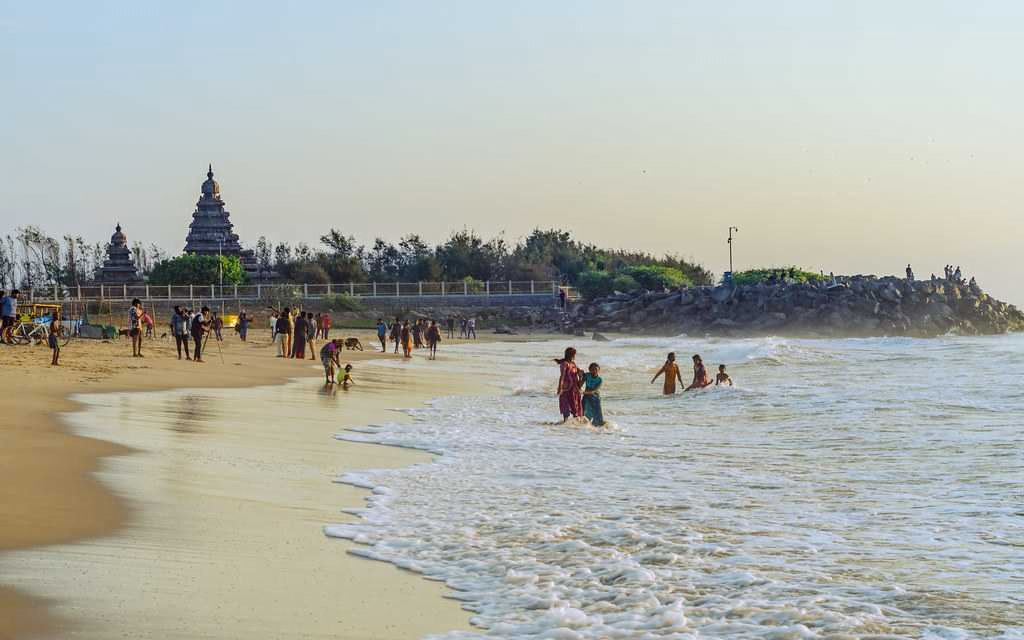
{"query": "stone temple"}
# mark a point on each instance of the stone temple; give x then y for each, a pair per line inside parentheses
(211, 232)
(118, 267)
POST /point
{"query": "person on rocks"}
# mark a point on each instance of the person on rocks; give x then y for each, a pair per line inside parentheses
(958, 276)
(700, 375)
(671, 372)
(910, 274)
(570, 400)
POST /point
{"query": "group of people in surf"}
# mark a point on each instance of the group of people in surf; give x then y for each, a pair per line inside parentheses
(579, 392)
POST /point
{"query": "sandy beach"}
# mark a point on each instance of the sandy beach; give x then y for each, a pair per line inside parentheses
(193, 521)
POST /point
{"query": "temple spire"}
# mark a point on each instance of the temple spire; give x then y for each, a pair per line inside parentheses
(209, 172)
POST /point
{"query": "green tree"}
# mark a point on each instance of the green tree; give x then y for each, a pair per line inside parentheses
(195, 269)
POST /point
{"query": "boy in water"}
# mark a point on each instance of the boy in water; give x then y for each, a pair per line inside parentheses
(347, 381)
(671, 371)
(722, 377)
(51, 339)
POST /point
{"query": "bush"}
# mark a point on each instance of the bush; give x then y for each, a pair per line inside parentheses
(309, 273)
(655, 278)
(624, 283)
(195, 269)
(788, 274)
(594, 284)
(342, 302)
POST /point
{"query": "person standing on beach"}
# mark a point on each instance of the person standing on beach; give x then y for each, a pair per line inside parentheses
(471, 327)
(396, 333)
(54, 344)
(382, 334)
(8, 312)
(243, 325)
(433, 337)
(135, 327)
(311, 335)
(283, 329)
(273, 326)
(200, 326)
(570, 401)
(406, 337)
(451, 327)
(671, 371)
(179, 329)
(326, 320)
(147, 321)
(218, 326)
(319, 326)
(700, 375)
(299, 337)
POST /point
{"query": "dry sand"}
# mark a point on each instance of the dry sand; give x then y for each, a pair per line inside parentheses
(198, 516)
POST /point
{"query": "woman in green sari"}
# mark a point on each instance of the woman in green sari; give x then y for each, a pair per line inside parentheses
(592, 395)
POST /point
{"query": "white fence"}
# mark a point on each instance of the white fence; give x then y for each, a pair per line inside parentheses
(100, 292)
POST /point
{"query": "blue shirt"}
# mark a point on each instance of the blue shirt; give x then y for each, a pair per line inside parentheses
(382, 330)
(9, 306)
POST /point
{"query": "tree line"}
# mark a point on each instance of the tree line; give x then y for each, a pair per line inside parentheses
(30, 258)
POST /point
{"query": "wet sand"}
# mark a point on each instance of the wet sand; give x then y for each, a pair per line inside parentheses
(198, 513)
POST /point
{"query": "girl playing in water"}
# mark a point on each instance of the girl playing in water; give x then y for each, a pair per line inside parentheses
(671, 371)
(570, 402)
(592, 395)
(347, 381)
(700, 375)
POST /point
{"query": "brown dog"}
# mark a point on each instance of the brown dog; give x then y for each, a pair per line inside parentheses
(353, 344)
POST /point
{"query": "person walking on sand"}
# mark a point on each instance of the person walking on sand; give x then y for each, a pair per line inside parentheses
(396, 333)
(200, 326)
(147, 321)
(326, 320)
(417, 334)
(671, 372)
(319, 325)
(433, 337)
(283, 329)
(8, 313)
(406, 337)
(592, 395)
(700, 375)
(570, 400)
(179, 329)
(135, 327)
(242, 325)
(218, 326)
(382, 334)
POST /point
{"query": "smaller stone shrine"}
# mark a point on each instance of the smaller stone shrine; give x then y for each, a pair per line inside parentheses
(119, 267)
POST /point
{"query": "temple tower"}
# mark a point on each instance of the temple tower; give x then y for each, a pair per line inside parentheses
(118, 267)
(211, 232)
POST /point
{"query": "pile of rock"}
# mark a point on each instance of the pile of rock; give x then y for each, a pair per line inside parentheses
(854, 306)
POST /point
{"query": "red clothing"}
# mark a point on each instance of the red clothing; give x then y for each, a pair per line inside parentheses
(570, 400)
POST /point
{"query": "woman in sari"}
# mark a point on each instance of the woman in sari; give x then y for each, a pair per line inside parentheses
(700, 375)
(570, 401)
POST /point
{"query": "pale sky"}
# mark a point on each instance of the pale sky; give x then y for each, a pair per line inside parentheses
(843, 136)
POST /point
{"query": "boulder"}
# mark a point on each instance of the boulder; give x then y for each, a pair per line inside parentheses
(722, 293)
(598, 337)
(504, 329)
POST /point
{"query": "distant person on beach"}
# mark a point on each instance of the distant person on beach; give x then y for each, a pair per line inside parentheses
(135, 327)
(299, 337)
(406, 337)
(347, 380)
(433, 337)
(242, 325)
(329, 358)
(283, 329)
(311, 335)
(463, 327)
(592, 395)
(396, 333)
(319, 326)
(471, 327)
(417, 337)
(147, 321)
(382, 334)
(8, 313)
(54, 344)
(700, 375)
(200, 326)
(179, 329)
(218, 326)
(273, 326)
(326, 320)
(570, 400)
(671, 372)
(722, 378)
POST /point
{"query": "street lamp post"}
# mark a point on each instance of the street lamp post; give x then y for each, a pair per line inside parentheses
(731, 229)
(220, 265)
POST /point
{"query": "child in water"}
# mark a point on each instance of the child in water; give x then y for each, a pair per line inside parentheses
(592, 395)
(722, 377)
(347, 381)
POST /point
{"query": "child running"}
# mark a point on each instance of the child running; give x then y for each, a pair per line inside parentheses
(671, 371)
(329, 358)
(722, 377)
(592, 395)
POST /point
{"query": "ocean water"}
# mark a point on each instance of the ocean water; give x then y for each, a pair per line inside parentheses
(866, 488)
